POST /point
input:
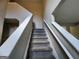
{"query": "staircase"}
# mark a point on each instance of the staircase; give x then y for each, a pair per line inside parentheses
(40, 46)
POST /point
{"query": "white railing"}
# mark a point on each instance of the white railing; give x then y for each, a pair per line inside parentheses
(16, 46)
(70, 38)
(69, 43)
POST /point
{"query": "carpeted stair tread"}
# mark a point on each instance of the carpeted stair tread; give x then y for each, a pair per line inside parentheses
(40, 42)
(40, 37)
(41, 48)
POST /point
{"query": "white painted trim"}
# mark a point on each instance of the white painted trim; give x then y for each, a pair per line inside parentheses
(11, 42)
(25, 55)
(63, 47)
(7, 47)
(69, 37)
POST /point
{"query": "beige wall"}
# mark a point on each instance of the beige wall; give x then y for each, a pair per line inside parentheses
(35, 6)
(3, 4)
(50, 6)
(75, 31)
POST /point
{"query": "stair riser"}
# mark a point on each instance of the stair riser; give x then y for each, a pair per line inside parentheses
(41, 57)
(36, 34)
(39, 32)
(41, 54)
(41, 44)
(34, 38)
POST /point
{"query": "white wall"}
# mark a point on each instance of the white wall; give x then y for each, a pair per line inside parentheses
(38, 21)
(68, 12)
(50, 6)
(3, 5)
